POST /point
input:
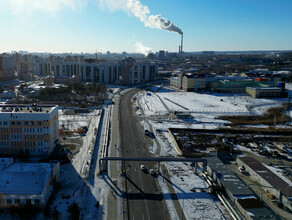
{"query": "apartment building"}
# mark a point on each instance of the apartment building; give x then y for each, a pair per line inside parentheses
(43, 68)
(128, 72)
(7, 68)
(100, 72)
(32, 129)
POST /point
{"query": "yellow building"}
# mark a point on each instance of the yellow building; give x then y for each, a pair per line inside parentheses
(264, 92)
(188, 83)
(31, 129)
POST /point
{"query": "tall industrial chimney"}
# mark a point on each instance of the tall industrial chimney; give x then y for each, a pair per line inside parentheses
(181, 46)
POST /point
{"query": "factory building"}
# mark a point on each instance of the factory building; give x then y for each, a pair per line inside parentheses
(241, 196)
(26, 184)
(264, 176)
(30, 129)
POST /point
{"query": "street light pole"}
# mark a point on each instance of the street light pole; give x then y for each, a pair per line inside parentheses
(182, 212)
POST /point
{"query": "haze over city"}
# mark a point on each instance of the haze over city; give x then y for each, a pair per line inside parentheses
(116, 26)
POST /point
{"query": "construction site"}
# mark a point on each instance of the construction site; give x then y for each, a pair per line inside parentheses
(202, 142)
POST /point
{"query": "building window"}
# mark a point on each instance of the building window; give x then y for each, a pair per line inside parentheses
(9, 201)
(26, 123)
(18, 123)
(28, 201)
(37, 201)
(39, 123)
(17, 201)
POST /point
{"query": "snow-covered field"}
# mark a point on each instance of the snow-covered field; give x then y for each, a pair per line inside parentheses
(73, 122)
(162, 102)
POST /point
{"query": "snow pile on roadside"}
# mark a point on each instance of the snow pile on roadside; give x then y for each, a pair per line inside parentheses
(197, 204)
(169, 203)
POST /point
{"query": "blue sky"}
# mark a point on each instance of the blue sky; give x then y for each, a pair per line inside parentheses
(102, 25)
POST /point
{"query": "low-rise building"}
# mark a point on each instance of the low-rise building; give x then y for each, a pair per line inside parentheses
(28, 128)
(265, 92)
(241, 196)
(176, 82)
(271, 182)
(23, 184)
(8, 95)
(188, 82)
(199, 84)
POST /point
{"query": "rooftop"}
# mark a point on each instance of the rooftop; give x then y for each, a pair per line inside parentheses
(24, 178)
(26, 108)
(268, 175)
(264, 88)
(230, 181)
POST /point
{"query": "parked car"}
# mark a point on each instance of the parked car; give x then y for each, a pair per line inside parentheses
(152, 172)
(242, 170)
(143, 168)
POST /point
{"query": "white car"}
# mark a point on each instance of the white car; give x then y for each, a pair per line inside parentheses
(242, 170)
(152, 172)
(143, 168)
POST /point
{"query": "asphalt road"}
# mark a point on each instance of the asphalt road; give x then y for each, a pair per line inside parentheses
(144, 199)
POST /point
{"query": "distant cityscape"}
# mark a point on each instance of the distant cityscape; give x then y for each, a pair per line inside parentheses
(202, 135)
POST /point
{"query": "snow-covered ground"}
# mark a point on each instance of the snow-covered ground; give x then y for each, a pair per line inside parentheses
(72, 122)
(74, 185)
(162, 102)
(204, 108)
(196, 205)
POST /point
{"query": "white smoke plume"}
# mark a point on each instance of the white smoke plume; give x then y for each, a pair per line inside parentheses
(142, 12)
(140, 48)
(156, 21)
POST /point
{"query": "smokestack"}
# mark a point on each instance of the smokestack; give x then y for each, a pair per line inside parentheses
(179, 49)
(181, 46)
